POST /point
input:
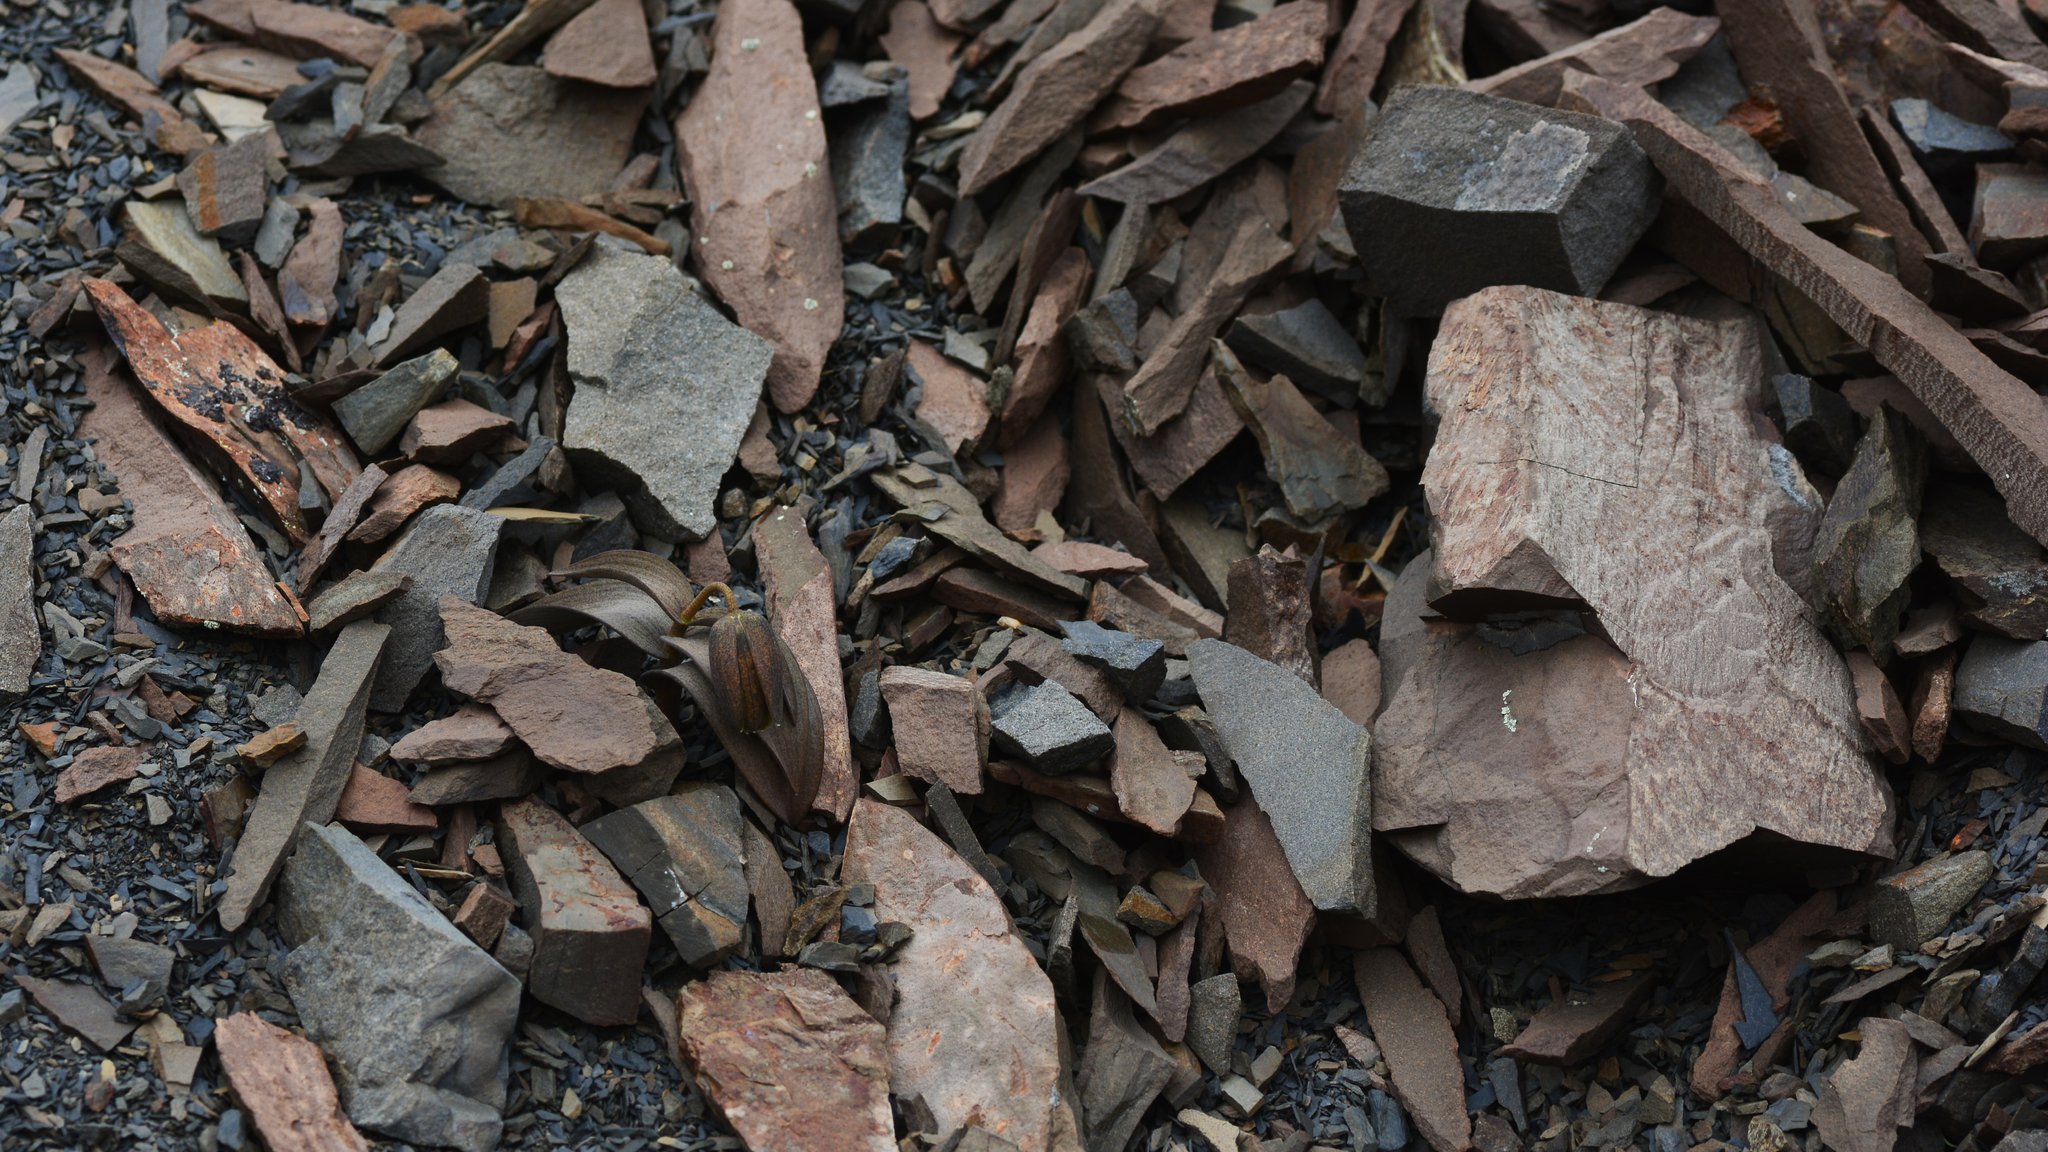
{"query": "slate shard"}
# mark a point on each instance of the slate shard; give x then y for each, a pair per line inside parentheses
(1455, 191)
(511, 132)
(448, 552)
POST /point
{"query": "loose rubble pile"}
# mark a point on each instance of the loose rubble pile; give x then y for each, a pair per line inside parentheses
(1036, 576)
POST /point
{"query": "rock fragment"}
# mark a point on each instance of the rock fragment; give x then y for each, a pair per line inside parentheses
(683, 853)
(1201, 150)
(1864, 1101)
(953, 401)
(1868, 543)
(305, 284)
(1915, 906)
(649, 355)
(510, 132)
(941, 726)
(377, 412)
(1644, 51)
(1275, 612)
(1409, 1024)
(1137, 665)
(474, 732)
(1266, 916)
(410, 489)
(162, 248)
(1351, 679)
(1048, 728)
(1455, 191)
(92, 769)
(1224, 69)
(417, 1019)
(447, 552)
(1153, 786)
(1122, 1072)
(79, 1008)
(21, 640)
(924, 50)
(1878, 709)
(225, 189)
(281, 1080)
(1169, 382)
(752, 151)
(962, 525)
(1575, 1027)
(1307, 345)
(455, 297)
(605, 44)
(590, 932)
(2000, 573)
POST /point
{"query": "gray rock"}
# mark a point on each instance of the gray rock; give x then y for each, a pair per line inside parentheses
(123, 963)
(1214, 1006)
(274, 236)
(416, 1018)
(1135, 664)
(21, 641)
(1049, 728)
(2002, 688)
(507, 132)
(164, 251)
(455, 297)
(1819, 426)
(353, 597)
(317, 148)
(1455, 191)
(649, 357)
(1914, 906)
(448, 552)
(683, 853)
(867, 168)
(1944, 141)
(18, 95)
(1309, 346)
(1309, 767)
(377, 412)
(847, 82)
(509, 481)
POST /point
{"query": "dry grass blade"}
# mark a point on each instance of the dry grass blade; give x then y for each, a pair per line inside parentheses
(643, 570)
(624, 608)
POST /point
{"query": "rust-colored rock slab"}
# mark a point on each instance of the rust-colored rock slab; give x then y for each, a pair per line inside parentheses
(1573, 1028)
(605, 44)
(1642, 52)
(1421, 1050)
(790, 1061)
(1266, 916)
(941, 725)
(281, 1080)
(474, 732)
(954, 401)
(803, 610)
(408, 490)
(372, 802)
(92, 769)
(751, 148)
(304, 31)
(1233, 66)
(925, 50)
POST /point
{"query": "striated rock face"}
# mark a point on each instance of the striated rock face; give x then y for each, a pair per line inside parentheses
(1630, 685)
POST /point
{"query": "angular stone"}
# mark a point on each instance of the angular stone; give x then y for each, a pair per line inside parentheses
(417, 1019)
(1574, 1028)
(484, 914)
(1455, 191)
(1869, 543)
(2002, 688)
(1912, 907)
(304, 787)
(1153, 787)
(1182, 445)
(474, 732)
(954, 402)
(1224, 69)
(649, 355)
(1421, 1051)
(941, 725)
(243, 70)
(590, 932)
(79, 1008)
(1309, 766)
(1266, 917)
(508, 132)
(1351, 680)
(1863, 1102)
(121, 86)
(280, 1079)
(225, 189)
(377, 412)
(451, 432)
(1122, 1072)
(305, 31)
(1751, 683)
(1644, 51)
(1214, 1008)
(447, 552)
(963, 526)
(2000, 573)
(605, 44)
(1819, 425)
(1136, 665)
(164, 250)
(1878, 709)
(1167, 383)
(1048, 728)
(1275, 612)
(125, 963)
(189, 556)
(375, 803)
(916, 42)
(1307, 345)
(1056, 91)
(1354, 65)
(752, 151)
(353, 597)
(1038, 656)
(1943, 141)
(683, 853)
(1201, 151)
(790, 1060)
(2009, 220)
(1089, 561)
(409, 490)
(867, 169)
(505, 777)
(969, 996)
(92, 769)
(802, 608)
(305, 284)
(267, 748)
(455, 297)
(21, 641)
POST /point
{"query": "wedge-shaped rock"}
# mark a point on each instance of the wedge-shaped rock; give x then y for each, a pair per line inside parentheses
(301, 30)
(230, 399)
(590, 932)
(954, 515)
(789, 1060)
(472, 733)
(509, 132)
(305, 786)
(1309, 767)
(683, 853)
(2002, 687)
(376, 413)
(1226, 68)
(1642, 51)
(417, 1019)
(803, 610)
(1864, 1101)
(1868, 543)
(1602, 459)
(1573, 1027)
(1455, 191)
(448, 552)
(605, 44)
(941, 725)
(1421, 1050)
(1266, 916)
(281, 1080)
(752, 151)
(1321, 472)
(649, 356)
(166, 252)
(2002, 574)
(969, 996)
(189, 556)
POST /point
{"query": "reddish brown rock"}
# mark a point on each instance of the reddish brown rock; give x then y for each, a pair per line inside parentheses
(1041, 656)
(925, 50)
(474, 732)
(1274, 614)
(1055, 91)
(410, 489)
(1879, 710)
(954, 401)
(803, 610)
(304, 31)
(1266, 916)
(229, 396)
(225, 188)
(1774, 959)
(1035, 474)
(484, 914)
(1421, 1051)
(789, 1060)
(1575, 1027)
(1354, 64)
(752, 152)
(373, 802)
(604, 44)
(1432, 956)
(1153, 787)
(1864, 1101)
(451, 432)
(1224, 69)
(1180, 447)
(1933, 699)
(280, 1079)
(941, 726)
(95, 768)
(305, 284)
(1041, 354)
(590, 931)
(1351, 680)
(569, 216)
(121, 86)
(1641, 52)
(271, 745)
(1089, 561)
(242, 70)
(969, 996)
(1164, 385)
(187, 553)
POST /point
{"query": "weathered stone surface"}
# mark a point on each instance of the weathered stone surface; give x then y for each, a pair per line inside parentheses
(1037, 656)
(1137, 665)
(867, 168)
(447, 552)
(21, 640)
(1224, 69)
(1202, 150)
(503, 777)
(1944, 141)
(122, 87)
(1153, 787)
(1819, 425)
(753, 155)
(2009, 218)
(281, 1080)
(452, 432)
(353, 597)
(410, 489)
(1351, 680)
(1455, 191)
(649, 355)
(604, 44)
(1266, 916)
(80, 1008)
(1275, 612)
(924, 50)
(305, 786)
(509, 132)
(1123, 1070)
(590, 932)
(92, 769)
(790, 1060)
(375, 803)
(164, 250)
(1864, 1101)
(1643, 51)
(1214, 1007)
(305, 284)
(225, 189)
(1421, 1050)
(1360, 52)
(963, 526)
(969, 997)
(1878, 709)
(1869, 543)
(1582, 769)
(417, 1019)
(1574, 1028)
(189, 556)
(473, 732)
(941, 726)
(243, 70)
(1309, 766)
(954, 401)
(1057, 90)
(683, 853)
(377, 412)
(1915, 906)
(304, 31)
(802, 608)
(124, 963)
(1048, 728)
(2000, 573)
(2002, 687)
(1169, 381)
